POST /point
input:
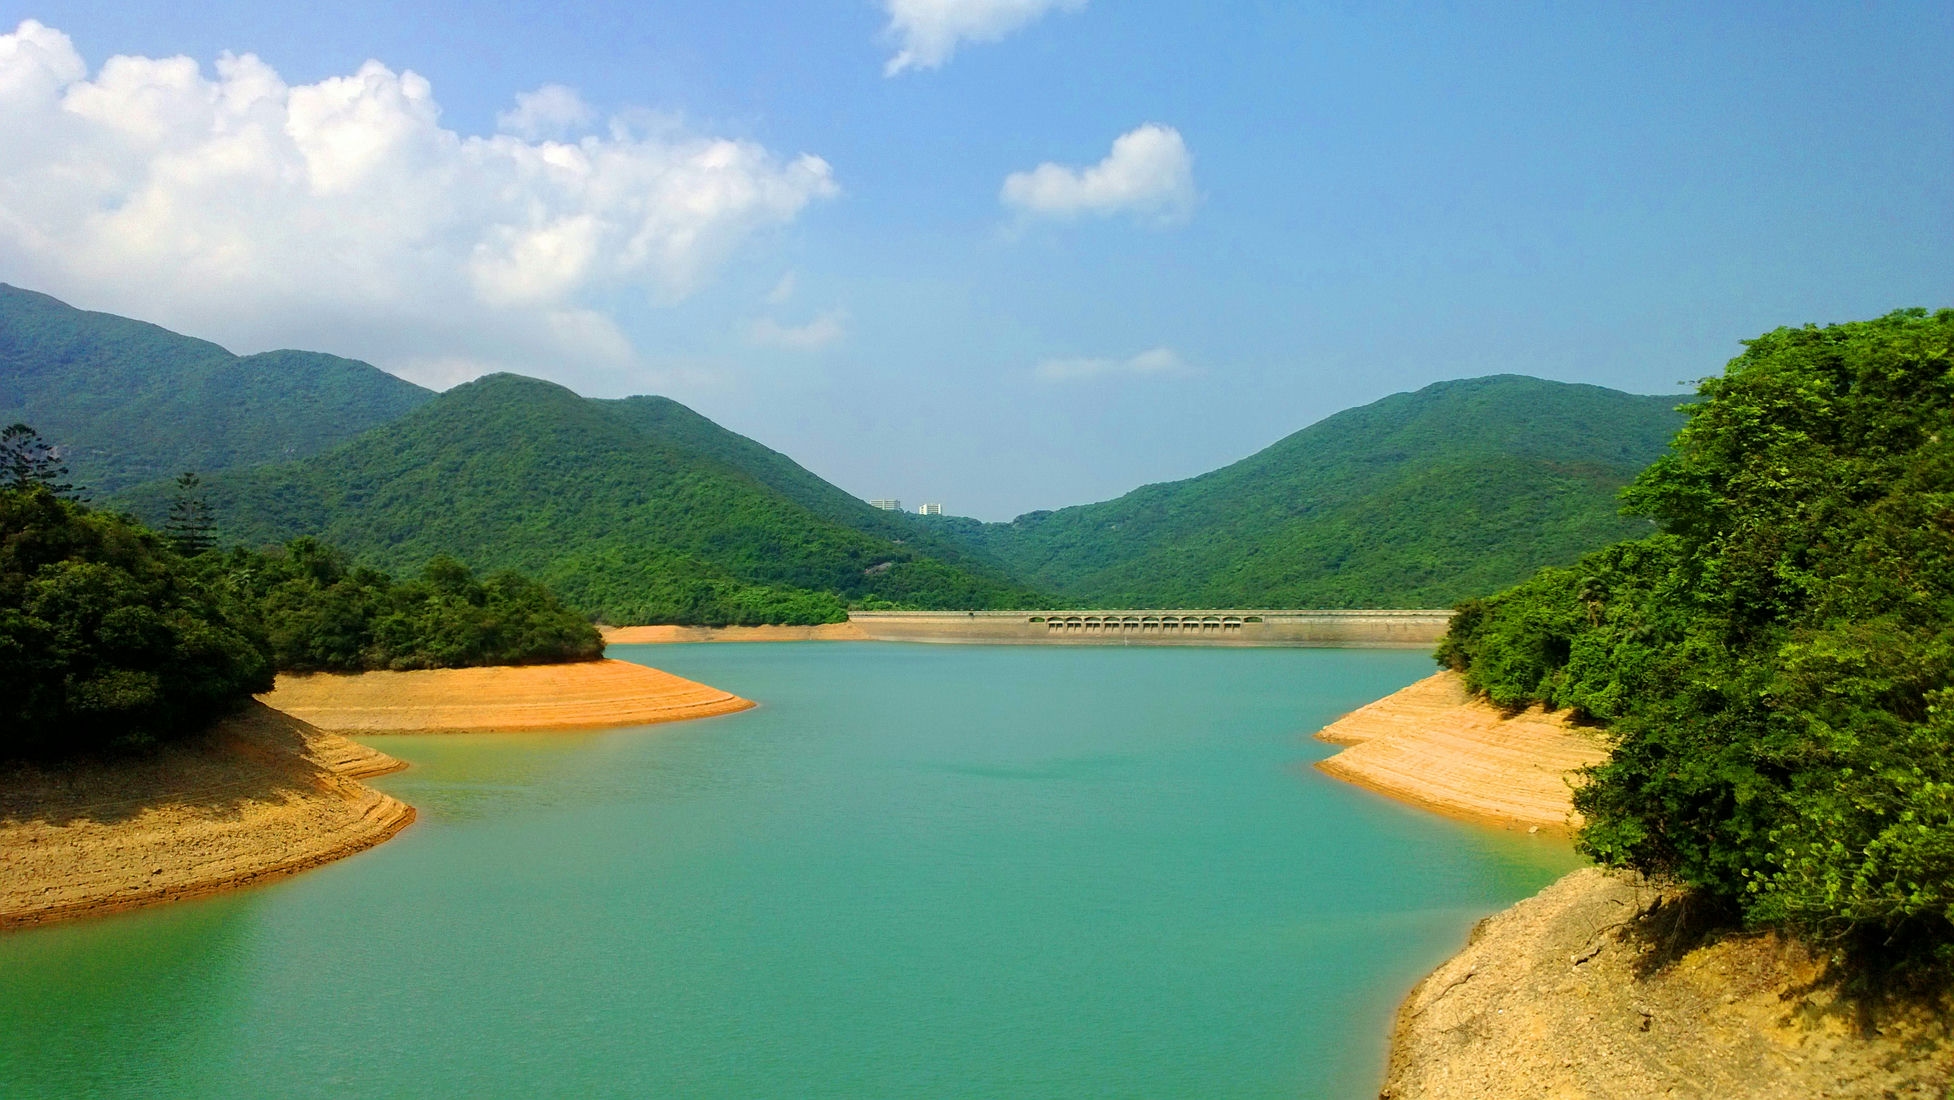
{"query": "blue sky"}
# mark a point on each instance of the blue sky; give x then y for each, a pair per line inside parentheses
(1317, 205)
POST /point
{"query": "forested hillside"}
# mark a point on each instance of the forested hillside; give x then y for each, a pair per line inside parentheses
(1418, 500)
(631, 510)
(130, 402)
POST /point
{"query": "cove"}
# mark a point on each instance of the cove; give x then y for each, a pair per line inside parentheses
(913, 871)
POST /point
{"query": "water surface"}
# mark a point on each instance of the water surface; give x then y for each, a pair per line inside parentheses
(913, 871)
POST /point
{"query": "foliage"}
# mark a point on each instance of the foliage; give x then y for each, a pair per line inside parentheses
(107, 637)
(189, 527)
(1778, 665)
(129, 402)
(317, 612)
(1417, 500)
(630, 521)
(27, 460)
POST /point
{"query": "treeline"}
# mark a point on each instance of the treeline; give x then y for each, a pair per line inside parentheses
(115, 634)
(317, 612)
(1776, 666)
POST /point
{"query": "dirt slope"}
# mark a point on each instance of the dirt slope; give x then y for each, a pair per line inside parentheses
(261, 796)
(1433, 745)
(1594, 989)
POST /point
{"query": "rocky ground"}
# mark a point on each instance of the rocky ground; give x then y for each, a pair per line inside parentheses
(1601, 987)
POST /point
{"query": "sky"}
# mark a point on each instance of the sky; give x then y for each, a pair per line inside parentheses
(1001, 254)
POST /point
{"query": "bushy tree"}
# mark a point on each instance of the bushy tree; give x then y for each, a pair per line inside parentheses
(319, 612)
(1777, 667)
(106, 636)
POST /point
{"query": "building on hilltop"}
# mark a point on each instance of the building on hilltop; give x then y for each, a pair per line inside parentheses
(886, 505)
(929, 510)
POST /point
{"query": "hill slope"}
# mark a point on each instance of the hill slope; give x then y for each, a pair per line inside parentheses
(1418, 500)
(625, 520)
(130, 402)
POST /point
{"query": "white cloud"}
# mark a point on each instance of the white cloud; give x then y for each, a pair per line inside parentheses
(1148, 173)
(818, 333)
(782, 290)
(927, 32)
(550, 111)
(342, 215)
(1157, 362)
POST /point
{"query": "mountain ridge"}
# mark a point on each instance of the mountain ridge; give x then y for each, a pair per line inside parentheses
(1524, 470)
(129, 401)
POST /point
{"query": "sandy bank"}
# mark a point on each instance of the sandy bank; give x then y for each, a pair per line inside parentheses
(261, 796)
(585, 695)
(1581, 992)
(655, 635)
(1433, 745)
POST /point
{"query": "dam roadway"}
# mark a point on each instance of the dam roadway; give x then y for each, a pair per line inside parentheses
(1237, 627)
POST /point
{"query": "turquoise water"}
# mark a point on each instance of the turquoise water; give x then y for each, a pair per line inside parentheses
(914, 871)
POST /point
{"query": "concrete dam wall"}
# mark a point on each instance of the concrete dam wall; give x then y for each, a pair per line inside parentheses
(1394, 629)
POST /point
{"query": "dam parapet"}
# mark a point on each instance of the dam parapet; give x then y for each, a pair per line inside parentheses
(1234, 627)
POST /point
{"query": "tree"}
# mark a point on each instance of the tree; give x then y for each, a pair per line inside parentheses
(107, 637)
(28, 460)
(1777, 666)
(190, 527)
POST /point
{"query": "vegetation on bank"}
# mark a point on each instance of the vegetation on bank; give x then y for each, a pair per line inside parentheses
(1418, 500)
(107, 636)
(317, 612)
(112, 634)
(1776, 665)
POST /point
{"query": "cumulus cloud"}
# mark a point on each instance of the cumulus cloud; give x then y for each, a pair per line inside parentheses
(550, 111)
(1156, 362)
(1148, 174)
(343, 215)
(927, 32)
(818, 333)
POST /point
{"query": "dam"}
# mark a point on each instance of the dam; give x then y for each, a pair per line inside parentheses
(1207, 627)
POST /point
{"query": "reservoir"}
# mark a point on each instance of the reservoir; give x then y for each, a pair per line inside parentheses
(913, 871)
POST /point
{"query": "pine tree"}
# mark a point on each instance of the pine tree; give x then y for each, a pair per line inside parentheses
(27, 460)
(190, 527)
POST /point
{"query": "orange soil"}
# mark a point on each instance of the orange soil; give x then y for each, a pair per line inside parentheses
(261, 796)
(1596, 988)
(1434, 745)
(585, 695)
(652, 635)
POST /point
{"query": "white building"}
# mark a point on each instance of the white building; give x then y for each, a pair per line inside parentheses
(886, 505)
(930, 510)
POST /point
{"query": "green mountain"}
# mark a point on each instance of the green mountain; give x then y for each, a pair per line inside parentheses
(129, 402)
(636, 510)
(1418, 500)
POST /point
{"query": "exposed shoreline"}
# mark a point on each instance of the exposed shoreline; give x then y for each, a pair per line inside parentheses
(1435, 746)
(667, 635)
(1597, 987)
(261, 796)
(274, 790)
(1591, 988)
(599, 694)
